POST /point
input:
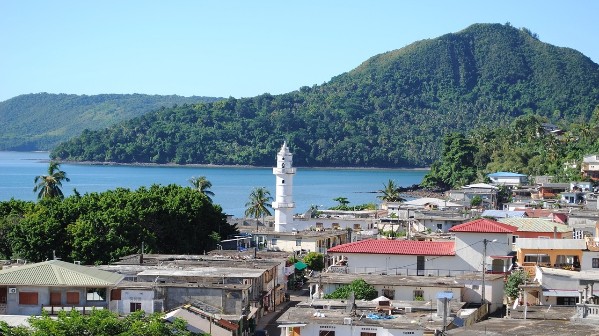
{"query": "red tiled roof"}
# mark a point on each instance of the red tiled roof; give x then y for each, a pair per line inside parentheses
(407, 247)
(484, 225)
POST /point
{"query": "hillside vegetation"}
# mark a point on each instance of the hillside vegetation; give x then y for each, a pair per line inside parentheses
(391, 111)
(41, 121)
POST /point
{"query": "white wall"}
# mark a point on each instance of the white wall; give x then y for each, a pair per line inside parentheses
(586, 264)
(402, 264)
(313, 329)
(469, 247)
(143, 296)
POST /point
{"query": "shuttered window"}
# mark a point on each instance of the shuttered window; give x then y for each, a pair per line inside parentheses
(73, 298)
(28, 298)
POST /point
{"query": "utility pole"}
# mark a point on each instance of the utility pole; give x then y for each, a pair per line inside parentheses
(482, 298)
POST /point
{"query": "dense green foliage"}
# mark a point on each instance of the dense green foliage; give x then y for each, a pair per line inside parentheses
(101, 227)
(99, 323)
(41, 121)
(390, 111)
(361, 289)
(514, 280)
(524, 146)
(315, 261)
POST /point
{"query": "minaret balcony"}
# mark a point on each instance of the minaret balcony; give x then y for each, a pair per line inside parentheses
(283, 170)
(281, 205)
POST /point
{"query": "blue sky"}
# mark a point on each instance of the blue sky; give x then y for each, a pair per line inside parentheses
(241, 48)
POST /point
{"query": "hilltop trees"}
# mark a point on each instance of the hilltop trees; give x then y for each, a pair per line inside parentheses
(390, 111)
(48, 186)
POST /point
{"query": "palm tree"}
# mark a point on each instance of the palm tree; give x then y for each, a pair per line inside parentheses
(258, 204)
(48, 186)
(390, 193)
(202, 185)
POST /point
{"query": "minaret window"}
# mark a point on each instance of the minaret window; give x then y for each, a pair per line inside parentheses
(283, 165)
(282, 181)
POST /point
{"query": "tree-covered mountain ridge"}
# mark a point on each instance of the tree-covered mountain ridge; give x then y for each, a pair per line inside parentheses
(41, 121)
(391, 111)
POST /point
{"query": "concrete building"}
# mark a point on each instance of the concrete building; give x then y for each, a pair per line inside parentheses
(53, 286)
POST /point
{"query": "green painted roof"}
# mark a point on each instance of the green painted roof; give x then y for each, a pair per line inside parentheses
(58, 273)
(534, 225)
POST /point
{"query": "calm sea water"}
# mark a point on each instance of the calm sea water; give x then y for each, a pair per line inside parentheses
(231, 186)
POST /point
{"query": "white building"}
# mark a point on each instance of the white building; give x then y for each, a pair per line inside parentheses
(509, 179)
(475, 241)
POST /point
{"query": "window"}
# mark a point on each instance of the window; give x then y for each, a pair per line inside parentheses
(566, 301)
(537, 258)
(514, 237)
(73, 298)
(357, 227)
(28, 298)
(282, 181)
(389, 293)
(115, 294)
(273, 241)
(439, 226)
(418, 294)
(96, 294)
(134, 306)
(326, 333)
(364, 333)
(595, 262)
(298, 242)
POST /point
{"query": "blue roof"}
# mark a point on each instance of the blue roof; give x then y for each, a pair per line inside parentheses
(503, 214)
(445, 295)
(505, 174)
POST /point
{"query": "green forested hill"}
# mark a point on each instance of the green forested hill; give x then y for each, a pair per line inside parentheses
(41, 121)
(391, 111)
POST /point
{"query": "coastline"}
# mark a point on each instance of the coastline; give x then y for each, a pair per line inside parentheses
(208, 165)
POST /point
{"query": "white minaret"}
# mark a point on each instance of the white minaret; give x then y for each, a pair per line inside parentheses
(283, 204)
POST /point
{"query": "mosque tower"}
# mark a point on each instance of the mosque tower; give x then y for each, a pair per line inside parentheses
(283, 204)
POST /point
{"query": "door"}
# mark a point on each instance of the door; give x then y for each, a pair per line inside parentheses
(3, 292)
(54, 298)
(420, 265)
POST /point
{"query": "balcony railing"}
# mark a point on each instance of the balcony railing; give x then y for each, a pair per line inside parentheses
(587, 311)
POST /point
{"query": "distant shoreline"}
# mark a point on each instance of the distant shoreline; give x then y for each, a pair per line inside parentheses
(206, 165)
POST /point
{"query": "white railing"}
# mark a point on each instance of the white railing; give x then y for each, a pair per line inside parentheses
(587, 311)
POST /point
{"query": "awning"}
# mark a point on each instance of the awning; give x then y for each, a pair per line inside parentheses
(558, 292)
(292, 325)
(300, 265)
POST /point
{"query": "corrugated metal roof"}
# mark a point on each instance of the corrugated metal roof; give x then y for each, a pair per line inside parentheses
(505, 174)
(403, 247)
(484, 225)
(535, 225)
(57, 273)
(548, 244)
(503, 213)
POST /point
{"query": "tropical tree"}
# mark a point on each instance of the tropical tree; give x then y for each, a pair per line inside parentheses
(315, 261)
(202, 185)
(390, 192)
(258, 204)
(343, 202)
(48, 186)
(362, 291)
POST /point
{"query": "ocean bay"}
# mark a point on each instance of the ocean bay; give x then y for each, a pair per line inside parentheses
(231, 185)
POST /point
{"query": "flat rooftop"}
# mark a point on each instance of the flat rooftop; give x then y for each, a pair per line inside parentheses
(529, 327)
(401, 280)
